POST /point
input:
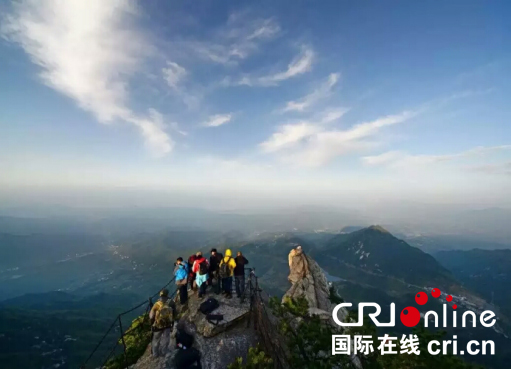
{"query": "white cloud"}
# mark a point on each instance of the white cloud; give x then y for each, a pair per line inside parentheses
(235, 41)
(173, 74)
(320, 93)
(315, 145)
(217, 120)
(333, 115)
(401, 160)
(267, 29)
(299, 65)
(288, 135)
(87, 50)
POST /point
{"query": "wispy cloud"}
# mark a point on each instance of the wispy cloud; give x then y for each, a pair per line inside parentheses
(301, 64)
(321, 92)
(234, 41)
(289, 135)
(401, 160)
(315, 145)
(87, 50)
(173, 74)
(217, 120)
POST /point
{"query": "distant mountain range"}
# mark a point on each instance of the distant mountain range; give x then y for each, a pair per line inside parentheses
(364, 264)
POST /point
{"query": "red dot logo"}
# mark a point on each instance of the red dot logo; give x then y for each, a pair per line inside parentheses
(410, 316)
(436, 293)
(449, 298)
(455, 306)
(421, 298)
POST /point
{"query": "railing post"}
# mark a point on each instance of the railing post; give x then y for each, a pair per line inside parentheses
(123, 343)
(251, 311)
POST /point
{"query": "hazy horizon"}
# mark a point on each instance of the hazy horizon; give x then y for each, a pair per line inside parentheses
(230, 106)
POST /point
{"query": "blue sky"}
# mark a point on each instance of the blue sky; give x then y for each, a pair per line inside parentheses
(313, 102)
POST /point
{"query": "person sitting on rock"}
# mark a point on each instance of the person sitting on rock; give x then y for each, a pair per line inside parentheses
(200, 268)
(187, 357)
(226, 271)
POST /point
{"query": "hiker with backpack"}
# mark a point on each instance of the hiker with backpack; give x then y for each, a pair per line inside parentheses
(214, 261)
(226, 271)
(181, 274)
(200, 268)
(191, 273)
(239, 274)
(162, 317)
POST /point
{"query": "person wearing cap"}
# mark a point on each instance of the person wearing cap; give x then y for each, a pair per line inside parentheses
(162, 317)
(164, 300)
(214, 261)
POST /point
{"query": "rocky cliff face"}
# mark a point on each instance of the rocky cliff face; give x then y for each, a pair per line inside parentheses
(309, 281)
(312, 285)
(219, 344)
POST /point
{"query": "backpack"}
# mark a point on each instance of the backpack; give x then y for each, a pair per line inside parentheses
(224, 270)
(203, 268)
(164, 316)
(208, 306)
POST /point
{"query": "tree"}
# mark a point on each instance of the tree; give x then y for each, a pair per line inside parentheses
(137, 337)
(308, 338)
(256, 359)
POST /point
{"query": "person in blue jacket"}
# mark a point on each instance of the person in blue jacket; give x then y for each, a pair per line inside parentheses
(181, 274)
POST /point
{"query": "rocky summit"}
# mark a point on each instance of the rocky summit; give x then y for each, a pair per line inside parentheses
(220, 344)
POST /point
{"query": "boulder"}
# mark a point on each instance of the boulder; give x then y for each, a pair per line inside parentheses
(232, 310)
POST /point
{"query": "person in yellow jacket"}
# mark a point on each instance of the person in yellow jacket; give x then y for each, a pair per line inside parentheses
(226, 271)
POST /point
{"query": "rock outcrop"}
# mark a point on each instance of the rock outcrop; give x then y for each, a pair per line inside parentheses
(309, 281)
(219, 344)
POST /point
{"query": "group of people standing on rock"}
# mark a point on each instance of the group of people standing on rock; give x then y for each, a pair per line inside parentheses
(197, 273)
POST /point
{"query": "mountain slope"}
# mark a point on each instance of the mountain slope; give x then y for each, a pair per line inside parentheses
(375, 251)
(487, 272)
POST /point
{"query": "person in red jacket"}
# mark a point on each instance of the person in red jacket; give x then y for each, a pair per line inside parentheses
(191, 273)
(200, 268)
